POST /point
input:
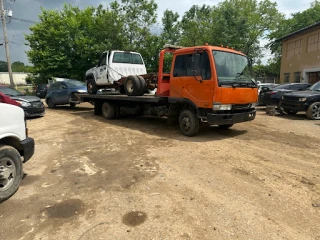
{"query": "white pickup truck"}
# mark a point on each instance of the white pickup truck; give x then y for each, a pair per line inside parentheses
(112, 66)
(16, 148)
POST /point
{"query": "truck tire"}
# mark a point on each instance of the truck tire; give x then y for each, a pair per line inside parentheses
(132, 86)
(92, 87)
(143, 85)
(108, 110)
(313, 111)
(10, 171)
(189, 123)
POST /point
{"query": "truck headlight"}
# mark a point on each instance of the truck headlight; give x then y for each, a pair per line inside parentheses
(24, 104)
(221, 107)
(302, 99)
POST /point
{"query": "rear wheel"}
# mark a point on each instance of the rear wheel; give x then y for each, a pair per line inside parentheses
(10, 171)
(133, 86)
(92, 87)
(108, 110)
(189, 123)
(50, 103)
(313, 111)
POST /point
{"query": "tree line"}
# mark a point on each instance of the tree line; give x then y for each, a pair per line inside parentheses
(66, 43)
(15, 66)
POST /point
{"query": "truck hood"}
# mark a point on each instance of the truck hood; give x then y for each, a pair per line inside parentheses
(303, 94)
(26, 98)
(229, 95)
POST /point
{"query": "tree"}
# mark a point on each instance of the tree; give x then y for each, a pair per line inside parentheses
(3, 66)
(18, 67)
(171, 29)
(68, 42)
(242, 23)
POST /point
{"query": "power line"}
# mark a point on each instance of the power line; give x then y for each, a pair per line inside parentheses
(24, 20)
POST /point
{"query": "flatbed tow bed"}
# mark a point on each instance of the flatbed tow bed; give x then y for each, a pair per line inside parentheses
(120, 97)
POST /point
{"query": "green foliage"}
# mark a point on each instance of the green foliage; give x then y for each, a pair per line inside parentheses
(3, 66)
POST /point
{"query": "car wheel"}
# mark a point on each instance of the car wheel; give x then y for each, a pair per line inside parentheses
(108, 110)
(73, 105)
(50, 103)
(10, 171)
(189, 123)
(313, 111)
(92, 87)
(226, 126)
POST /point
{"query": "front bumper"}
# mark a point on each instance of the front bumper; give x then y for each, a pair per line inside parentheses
(232, 118)
(294, 105)
(34, 112)
(27, 148)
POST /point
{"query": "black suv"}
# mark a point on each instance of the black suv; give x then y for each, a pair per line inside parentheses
(308, 101)
(272, 96)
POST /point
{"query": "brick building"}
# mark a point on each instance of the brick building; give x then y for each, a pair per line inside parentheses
(301, 55)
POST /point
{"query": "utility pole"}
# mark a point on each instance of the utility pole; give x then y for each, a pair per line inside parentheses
(3, 18)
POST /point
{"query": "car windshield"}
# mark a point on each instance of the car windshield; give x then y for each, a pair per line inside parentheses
(315, 87)
(74, 83)
(10, 92)
(232, 68)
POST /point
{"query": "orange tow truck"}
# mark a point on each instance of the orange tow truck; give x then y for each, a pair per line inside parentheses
(206, 83)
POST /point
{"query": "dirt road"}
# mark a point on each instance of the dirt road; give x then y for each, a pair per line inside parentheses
(137, 178)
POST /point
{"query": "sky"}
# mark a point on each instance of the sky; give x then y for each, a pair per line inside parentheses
(30, 9)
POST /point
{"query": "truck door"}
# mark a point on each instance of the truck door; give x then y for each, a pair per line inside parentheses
(192, 78)
(101, 70)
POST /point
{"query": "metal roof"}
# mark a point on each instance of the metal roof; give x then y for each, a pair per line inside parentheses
(299, 31)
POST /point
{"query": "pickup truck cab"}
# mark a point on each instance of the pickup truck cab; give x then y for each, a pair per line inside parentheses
(112, 66)
(16, 148)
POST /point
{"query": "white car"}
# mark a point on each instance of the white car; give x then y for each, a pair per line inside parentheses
(16, 148)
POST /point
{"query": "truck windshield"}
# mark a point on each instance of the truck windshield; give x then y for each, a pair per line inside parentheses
(232, 69)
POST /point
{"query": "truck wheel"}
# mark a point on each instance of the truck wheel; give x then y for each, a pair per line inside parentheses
(10, 171)
(50, 103)
(108, 110)
(313, 111)
(189, 123)
(132, 86)
(143, 85)
(92, 87)
(226, 126)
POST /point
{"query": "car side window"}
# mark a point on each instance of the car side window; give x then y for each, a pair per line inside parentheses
(54, 86)
(183, 65)
(103, 60)
(63, 86)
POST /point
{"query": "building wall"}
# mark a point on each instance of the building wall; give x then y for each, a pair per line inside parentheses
(301, 57)
(18, 78)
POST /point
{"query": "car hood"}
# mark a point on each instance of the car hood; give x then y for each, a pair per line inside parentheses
(303, 94)
(81, 89)
(26, 98)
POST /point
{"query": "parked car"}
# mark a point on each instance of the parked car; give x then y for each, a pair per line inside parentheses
(41, 90)
(8, 100)
(32, 105)
(262, 90)
(308, 101)
(273, 95)
(16, 148)
(65, 92)
(265, 85)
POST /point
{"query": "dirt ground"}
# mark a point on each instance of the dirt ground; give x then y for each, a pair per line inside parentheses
(137, 178)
